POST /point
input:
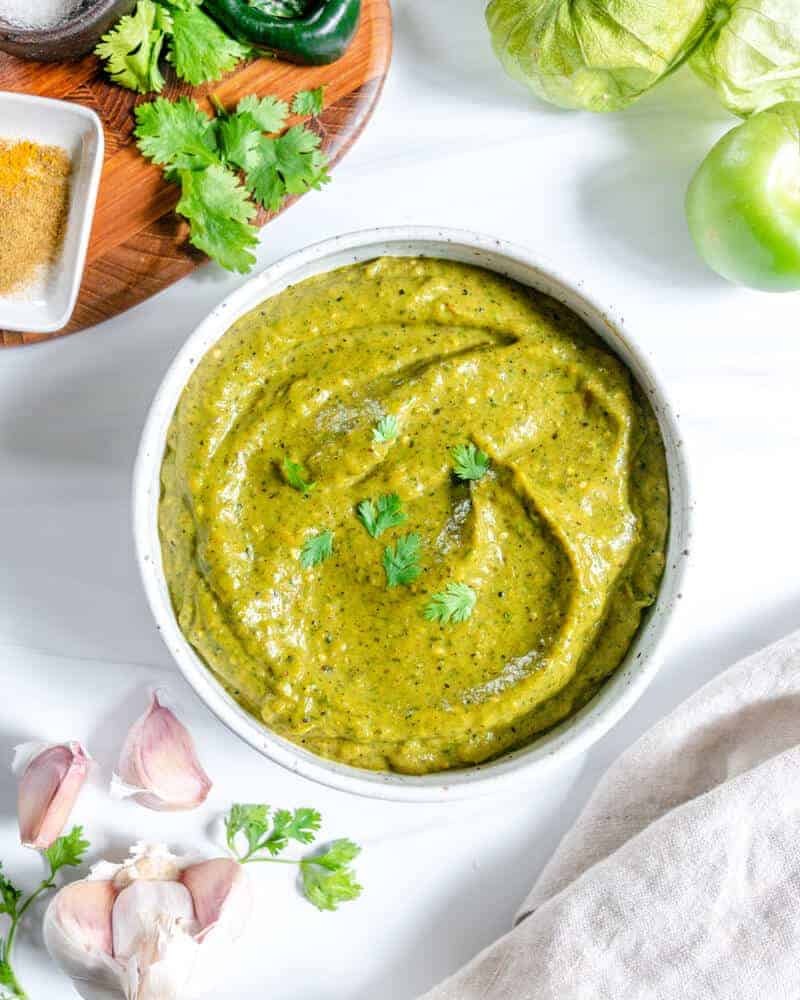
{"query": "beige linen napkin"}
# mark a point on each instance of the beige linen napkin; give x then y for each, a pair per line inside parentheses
(682, 877)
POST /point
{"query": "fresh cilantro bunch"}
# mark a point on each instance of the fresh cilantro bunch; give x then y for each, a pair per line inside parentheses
(327, 878)
(67, 851)
(198, 49)
(226, 164)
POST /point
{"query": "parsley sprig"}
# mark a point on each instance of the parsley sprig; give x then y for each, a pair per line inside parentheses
(401, 563)
(454, 604)
(379, 517)
(228, 165)
(327, 878)
(316, 549)
(67, 851)
(469, 462)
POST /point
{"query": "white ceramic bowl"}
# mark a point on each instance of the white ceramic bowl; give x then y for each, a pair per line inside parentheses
(642, 660)
(77, 130)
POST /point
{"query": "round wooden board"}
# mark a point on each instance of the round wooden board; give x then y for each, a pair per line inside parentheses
(139, 245)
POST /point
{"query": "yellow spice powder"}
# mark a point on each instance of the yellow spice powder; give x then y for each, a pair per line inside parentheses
(34, 203)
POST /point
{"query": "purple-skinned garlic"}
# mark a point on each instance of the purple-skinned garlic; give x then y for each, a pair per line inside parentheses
(150, 937)
(158, 765)
(51, 777)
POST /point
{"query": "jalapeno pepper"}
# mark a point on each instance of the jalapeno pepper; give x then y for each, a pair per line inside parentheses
(319, 37)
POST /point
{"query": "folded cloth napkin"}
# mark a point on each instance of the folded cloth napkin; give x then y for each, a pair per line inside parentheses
(681, 879)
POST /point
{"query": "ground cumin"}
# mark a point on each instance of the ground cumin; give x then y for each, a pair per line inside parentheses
(34, 203)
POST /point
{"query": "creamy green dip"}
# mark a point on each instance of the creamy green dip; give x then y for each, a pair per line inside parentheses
(563, 540)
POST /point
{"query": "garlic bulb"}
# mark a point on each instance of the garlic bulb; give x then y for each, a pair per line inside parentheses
(146, 936)
(158, 766)
(51, 777)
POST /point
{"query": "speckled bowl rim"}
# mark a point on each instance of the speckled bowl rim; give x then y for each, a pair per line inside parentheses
(643, 659)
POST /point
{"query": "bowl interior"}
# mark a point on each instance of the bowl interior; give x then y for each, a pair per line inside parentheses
(641, 661)
(78, 131)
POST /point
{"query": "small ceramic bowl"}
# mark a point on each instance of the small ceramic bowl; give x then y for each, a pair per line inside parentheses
(78, 131)
(642, 659)
(74, 38)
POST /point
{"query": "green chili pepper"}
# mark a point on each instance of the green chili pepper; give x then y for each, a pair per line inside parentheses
(319, 37)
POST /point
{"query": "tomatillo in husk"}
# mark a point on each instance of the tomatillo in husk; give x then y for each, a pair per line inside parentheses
(743, 204)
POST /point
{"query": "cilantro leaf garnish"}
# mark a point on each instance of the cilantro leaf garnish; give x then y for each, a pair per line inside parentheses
(453, 604)
(308, 102)
(238, 137)
(296, 477)
(67, 851)
(378, 517)
(265, 834)
(216, 205)
(267, 113)
(401, 563)
(175, 134)
(63, 852)
(133, 46)
(385, 430)
(200, 49)
(316, 549)
(327, 878)
(469, 462)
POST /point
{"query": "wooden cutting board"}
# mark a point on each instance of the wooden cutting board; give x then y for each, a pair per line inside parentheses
(138, 245)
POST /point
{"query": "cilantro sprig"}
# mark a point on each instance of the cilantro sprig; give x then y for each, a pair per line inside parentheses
(454, 604)
(66, 851)
(379, 517)
(316, 549)
(469, 462)
(228, 166)
(401, 563)
(296, 477)
(308, 102)
(385, 430)
(195, 45)
(327, 877)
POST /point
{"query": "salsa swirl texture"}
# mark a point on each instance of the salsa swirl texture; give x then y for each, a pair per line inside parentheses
(562, 540)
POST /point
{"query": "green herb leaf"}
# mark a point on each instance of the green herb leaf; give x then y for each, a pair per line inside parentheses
(300, 161)
(67, 850)
(328, 879)
(201, 50)
(250, 819)
(385, 430)
(377, 518)
(10, 895)
(316, 549)
(239, 137)
(175, 134)
(469, 462)
(218, 209)
(262, 178)
(453, 604)
(296, 477)
(300, 825)
(268, 113)
(308, 102)
(132, 48)
(401, 564)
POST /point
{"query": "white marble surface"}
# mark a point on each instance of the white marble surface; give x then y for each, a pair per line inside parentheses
(453, 143)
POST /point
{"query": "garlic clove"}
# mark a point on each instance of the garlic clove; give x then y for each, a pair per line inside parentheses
(221, 894)
(158, 766)
(164, 963)
(50, 783)
(139, 907)
(144, 861)
(77, 933)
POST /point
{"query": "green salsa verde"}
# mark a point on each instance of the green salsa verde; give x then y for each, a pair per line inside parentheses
(562, 540)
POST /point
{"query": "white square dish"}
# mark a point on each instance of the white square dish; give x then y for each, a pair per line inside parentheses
(78, 131)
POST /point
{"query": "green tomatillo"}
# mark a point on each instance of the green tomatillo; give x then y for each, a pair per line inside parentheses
(743, 204)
